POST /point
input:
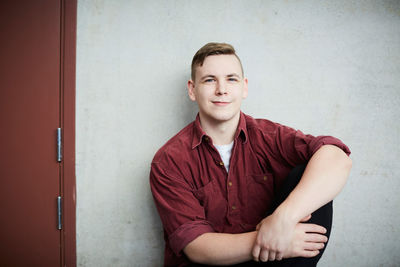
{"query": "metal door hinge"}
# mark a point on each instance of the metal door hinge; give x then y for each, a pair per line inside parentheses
(59, 213)
(59, 156)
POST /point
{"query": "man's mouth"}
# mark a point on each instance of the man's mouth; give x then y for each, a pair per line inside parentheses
(220, 103)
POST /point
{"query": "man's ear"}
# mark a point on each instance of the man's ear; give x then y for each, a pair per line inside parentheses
(245, 88)
(190, 86)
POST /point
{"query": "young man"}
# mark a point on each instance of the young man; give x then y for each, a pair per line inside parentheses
(215, 183)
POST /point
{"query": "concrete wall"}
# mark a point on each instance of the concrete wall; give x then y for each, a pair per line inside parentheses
(323, 67)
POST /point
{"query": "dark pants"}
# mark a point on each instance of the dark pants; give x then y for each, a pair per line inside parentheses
(322, 216)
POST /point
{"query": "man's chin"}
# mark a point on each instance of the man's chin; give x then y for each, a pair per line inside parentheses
(222, 117)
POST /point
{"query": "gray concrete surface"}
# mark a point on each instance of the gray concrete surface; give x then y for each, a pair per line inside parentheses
(325, 67)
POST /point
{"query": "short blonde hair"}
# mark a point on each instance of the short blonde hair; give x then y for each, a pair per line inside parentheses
(211, 49)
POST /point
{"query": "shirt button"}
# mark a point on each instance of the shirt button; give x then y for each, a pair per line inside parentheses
(265, 177)
(233, 207)
(206, 138)
(230, 183)
(221, 163)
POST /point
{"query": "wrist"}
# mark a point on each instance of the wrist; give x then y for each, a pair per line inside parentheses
(286, 214)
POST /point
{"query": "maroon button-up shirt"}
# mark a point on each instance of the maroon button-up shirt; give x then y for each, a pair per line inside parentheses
(194, 193)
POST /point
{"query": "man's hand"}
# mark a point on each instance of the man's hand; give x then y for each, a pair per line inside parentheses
(273, 238)
(279, 238)
(308, 239)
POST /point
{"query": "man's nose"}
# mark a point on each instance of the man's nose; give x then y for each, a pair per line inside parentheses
(221, 88)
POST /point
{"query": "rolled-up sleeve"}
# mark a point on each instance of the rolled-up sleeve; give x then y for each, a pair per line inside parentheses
(296, 147)
(182, 215)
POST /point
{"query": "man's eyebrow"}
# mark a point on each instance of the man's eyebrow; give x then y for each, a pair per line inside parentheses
(233, 75)
(213, 76)
(207, 76)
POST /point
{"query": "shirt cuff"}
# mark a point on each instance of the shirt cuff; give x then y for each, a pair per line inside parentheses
(186, 233)
(329, 140)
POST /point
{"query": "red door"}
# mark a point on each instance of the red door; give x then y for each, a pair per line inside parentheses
(30, 175)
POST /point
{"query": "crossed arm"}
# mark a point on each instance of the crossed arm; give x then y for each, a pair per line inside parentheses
(282, 234)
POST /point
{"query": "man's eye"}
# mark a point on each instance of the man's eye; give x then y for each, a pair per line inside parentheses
(232, 79)
(209, 80)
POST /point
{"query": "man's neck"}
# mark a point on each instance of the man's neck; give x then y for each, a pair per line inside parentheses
(222, 133)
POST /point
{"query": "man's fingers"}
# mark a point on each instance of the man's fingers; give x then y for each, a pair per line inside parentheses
(306, 218)
(256, 253)
(279, 256)
(315, 238)
(264, 255)
(271, 255)
(313, 228)
(313, 246)
(309, 253)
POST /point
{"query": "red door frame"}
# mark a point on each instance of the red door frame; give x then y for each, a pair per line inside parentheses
(67, 120)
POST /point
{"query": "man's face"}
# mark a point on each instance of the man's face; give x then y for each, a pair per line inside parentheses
(219, 88)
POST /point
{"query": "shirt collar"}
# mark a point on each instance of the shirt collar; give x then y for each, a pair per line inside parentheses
(199, 135)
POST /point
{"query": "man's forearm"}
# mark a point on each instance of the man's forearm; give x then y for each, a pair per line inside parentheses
(324, 177)
(221, 248)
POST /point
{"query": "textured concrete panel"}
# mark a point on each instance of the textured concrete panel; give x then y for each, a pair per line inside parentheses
(322, 67)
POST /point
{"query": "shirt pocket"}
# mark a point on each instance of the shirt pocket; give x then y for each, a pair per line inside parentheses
(214, 204)
(205, 193)
(260, 195)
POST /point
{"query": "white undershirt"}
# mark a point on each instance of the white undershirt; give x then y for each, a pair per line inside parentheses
(225, 152)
